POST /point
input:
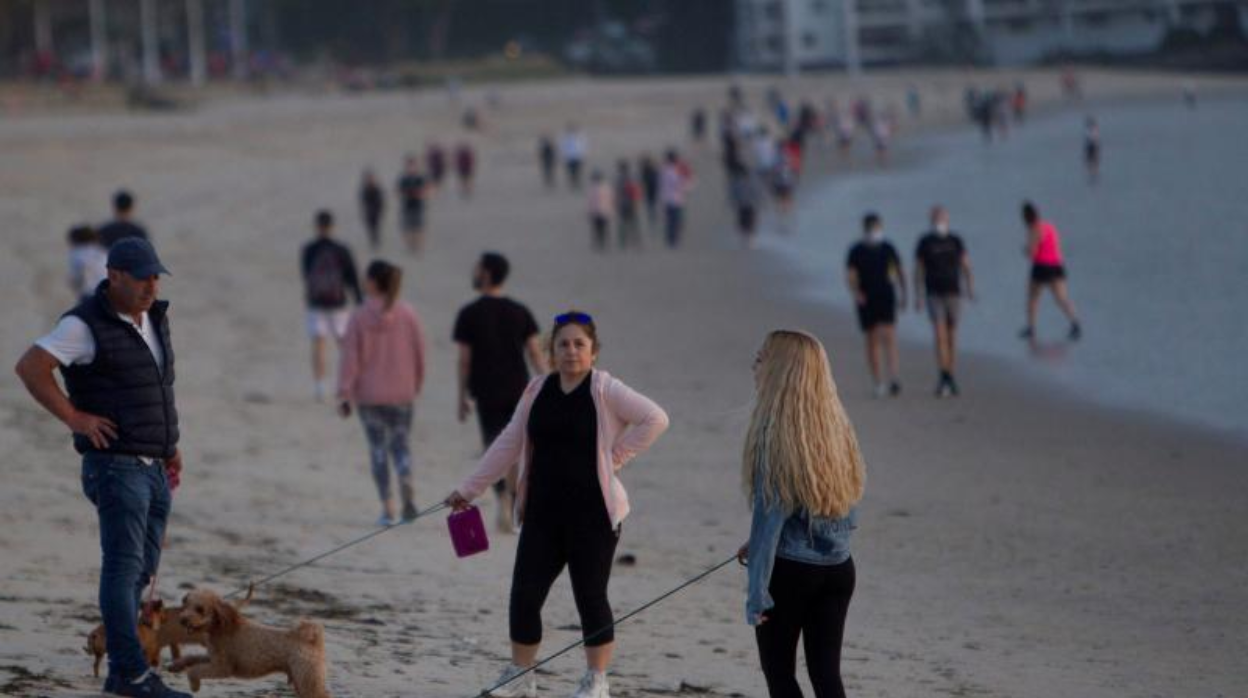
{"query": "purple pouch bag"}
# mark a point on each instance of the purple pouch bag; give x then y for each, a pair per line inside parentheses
(468, 532)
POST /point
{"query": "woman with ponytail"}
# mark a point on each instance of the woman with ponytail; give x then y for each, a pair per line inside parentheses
(380, 373)
(803, 475)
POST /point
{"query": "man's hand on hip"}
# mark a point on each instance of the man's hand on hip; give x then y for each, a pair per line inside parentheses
(98, 430)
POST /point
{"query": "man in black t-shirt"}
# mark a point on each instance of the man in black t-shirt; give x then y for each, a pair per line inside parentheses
(940, 262)
(871, 271)
(122, 226)
(494, 334)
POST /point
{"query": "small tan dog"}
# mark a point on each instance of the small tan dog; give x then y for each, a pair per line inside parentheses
(159, 627)
(153, 619)
(239, 648)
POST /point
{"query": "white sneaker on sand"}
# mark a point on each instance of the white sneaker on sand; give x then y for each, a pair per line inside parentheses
(523, 687)
(593, 685)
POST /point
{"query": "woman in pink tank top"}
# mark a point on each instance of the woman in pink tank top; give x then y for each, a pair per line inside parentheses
(1044, 249)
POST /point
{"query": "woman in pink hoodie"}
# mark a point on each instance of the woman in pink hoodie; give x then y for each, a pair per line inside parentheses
(571, 433)
(381, 372)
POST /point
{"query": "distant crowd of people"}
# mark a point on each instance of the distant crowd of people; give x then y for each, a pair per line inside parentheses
(617, 202)
(415, 187)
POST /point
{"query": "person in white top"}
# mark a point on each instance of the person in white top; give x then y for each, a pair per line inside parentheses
(675, 181)
(601, 208)
(572, 147)
(88, 260)
(765, 153)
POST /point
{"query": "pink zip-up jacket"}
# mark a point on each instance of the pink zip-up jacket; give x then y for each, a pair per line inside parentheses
(628, 423)
(383, 355)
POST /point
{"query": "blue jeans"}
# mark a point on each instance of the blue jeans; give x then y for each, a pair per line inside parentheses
(133, 502)
(674, 224)
(387, 428)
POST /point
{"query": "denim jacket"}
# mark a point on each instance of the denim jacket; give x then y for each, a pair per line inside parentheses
(797, 536)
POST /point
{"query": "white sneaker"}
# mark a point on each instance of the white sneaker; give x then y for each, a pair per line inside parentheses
(523, 687)
(593, 685)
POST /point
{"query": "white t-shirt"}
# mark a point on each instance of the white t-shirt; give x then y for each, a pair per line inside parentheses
(87, 268)
(573, 145)
(72, 343)
(673, 186)
(765, 153)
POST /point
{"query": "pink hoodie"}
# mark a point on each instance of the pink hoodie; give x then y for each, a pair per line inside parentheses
(628, 422)
(383, 355)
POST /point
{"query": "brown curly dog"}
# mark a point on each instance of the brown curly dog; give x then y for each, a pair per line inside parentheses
(159, 627)
(239, 648)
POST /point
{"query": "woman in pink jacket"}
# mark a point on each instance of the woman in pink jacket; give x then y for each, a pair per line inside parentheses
(381, 372)
(572, 432)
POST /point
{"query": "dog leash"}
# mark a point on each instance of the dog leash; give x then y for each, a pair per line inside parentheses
(312, 560)
(684, 585)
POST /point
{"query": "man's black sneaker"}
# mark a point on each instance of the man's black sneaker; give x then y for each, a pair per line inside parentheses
(894, 388)
(952, 385)
(148, 685)
(1027, 333)
(1075, 332)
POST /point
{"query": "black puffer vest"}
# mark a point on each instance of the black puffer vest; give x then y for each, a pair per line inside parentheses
(123, 383)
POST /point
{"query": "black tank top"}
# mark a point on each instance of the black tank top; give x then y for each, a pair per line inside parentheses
(563, 475)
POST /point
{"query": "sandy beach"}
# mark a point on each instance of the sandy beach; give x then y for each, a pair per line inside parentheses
(1013, 542)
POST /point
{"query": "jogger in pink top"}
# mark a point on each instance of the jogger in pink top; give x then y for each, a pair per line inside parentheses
(1044, 249)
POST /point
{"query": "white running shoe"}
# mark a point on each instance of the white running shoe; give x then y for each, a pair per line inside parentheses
(593, 685)
(523, 687)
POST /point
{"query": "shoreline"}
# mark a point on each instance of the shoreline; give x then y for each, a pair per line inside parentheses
(918, 151)
(1011, 543)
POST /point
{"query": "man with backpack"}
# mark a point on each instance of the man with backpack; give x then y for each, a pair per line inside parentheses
(330, 281)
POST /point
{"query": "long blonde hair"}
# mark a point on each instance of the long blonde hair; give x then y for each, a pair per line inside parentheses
(801, 446)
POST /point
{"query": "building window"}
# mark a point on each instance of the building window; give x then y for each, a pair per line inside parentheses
(1095, 19)
(809, 40)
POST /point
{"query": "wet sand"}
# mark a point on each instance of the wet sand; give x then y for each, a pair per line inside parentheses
(1014, 542)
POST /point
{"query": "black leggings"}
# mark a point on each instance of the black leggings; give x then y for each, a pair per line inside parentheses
(587, 548)
(811, 602)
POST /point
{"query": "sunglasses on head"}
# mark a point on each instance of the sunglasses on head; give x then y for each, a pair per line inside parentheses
(578, 318)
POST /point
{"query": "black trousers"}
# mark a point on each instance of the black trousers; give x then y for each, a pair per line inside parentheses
(811, 603)
(586, 546)
(492, 420)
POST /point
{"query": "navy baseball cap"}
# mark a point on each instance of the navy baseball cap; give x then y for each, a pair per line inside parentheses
(136, 257)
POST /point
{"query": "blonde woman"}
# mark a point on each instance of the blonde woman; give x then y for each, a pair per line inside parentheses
(803, 474)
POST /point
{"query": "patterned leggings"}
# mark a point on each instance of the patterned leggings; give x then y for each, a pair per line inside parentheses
(387, 428)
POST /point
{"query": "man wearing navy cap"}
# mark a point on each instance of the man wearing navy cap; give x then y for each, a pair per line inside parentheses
(115, 356)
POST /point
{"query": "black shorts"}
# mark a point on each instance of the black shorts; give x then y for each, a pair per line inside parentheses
(746, 217)
(1047, 273)
(880, 309)
(413, 218)
(1092, 153)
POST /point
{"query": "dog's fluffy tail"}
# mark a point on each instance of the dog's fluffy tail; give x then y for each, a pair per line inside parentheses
(310, 633)
(251, 590)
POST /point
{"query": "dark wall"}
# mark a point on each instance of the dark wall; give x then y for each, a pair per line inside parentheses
(697, 35)
(690, 35)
